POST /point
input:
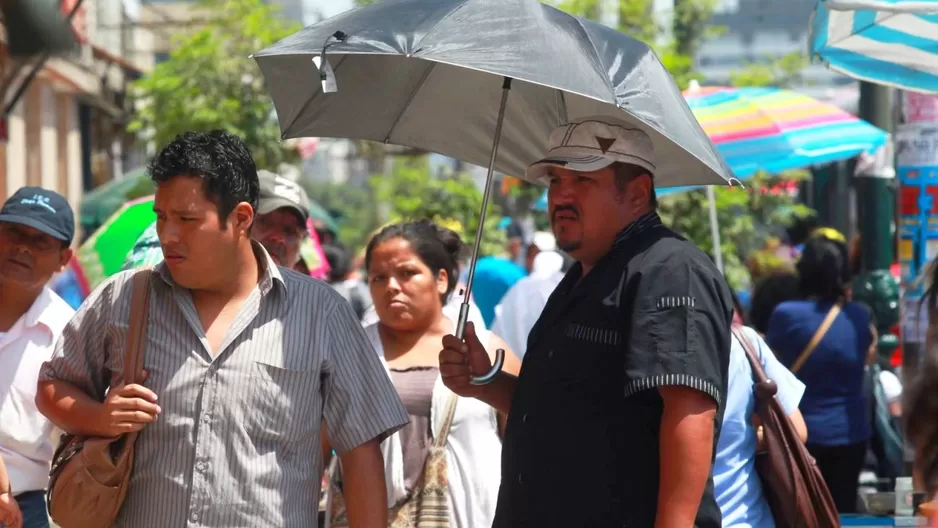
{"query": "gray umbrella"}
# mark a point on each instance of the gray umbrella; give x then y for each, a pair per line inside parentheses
(437, 74)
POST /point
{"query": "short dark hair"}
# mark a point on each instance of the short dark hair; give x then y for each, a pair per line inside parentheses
(769, 292)
(438, 247)
(220, 158)
(626, 172)
(339, 261)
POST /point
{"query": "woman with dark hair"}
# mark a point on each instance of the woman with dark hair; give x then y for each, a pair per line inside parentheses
(412, 269)
(825, 341)
(921, 404)
(770, 292)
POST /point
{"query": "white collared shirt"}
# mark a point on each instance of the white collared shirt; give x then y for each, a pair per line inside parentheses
(26, 436)
(522, 305)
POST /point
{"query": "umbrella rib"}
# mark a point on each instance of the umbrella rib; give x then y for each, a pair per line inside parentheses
(426, 74)
(309, 101)
(605, 76)
(563, 106)
(410, 99)
(435, 24)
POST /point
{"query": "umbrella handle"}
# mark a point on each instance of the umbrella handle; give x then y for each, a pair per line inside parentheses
(489, 376)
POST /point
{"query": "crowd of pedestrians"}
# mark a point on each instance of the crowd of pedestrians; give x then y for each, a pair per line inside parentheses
(625, 398)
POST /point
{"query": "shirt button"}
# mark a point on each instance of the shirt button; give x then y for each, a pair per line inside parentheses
(194, 517)
(524, 418)
(200, 466)
(520, 479)
(550, 354)
(206, 418)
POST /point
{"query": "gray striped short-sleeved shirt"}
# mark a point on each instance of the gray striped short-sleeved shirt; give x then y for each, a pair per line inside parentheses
(238, 441)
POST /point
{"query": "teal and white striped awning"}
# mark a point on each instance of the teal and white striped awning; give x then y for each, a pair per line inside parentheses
(891, 42)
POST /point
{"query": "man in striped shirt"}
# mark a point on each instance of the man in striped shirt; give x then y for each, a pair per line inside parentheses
(244, 362)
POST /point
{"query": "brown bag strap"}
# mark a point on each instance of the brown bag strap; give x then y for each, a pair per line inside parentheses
(758, 371)
(137, 333)
(816, 338)
(443, 433)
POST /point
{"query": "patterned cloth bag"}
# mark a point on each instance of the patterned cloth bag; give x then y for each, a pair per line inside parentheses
(427, 506)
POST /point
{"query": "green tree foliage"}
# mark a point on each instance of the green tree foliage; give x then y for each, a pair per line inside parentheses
(636, 19)
(210, 81)
(352, 207)
(747, 218)
(413, 193)
(782, 71)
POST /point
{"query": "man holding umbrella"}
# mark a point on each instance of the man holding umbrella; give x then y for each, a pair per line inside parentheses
(614, 418)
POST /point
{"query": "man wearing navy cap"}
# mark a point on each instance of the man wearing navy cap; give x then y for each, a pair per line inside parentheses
(36, 229)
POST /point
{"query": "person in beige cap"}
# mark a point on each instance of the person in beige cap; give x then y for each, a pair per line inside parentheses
(615, 416)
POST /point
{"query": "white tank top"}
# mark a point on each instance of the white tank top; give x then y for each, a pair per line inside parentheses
(473, 447)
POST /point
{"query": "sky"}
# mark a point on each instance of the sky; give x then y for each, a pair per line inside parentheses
(330, 8)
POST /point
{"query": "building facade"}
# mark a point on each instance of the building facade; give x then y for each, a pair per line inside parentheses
(66, 119)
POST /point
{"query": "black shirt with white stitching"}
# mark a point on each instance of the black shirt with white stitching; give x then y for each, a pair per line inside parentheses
(581, 444)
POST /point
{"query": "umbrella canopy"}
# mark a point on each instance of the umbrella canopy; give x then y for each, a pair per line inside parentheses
(318, 213)
(71, 285)
(103, 254)
(889, 42)
(146, 251)
(98, 205)
(777, 130)
(430, 74)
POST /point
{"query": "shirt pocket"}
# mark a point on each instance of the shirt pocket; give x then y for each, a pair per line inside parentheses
(283, 403)
(584, 351)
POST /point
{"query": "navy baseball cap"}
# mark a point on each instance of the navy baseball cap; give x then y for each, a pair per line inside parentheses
(41, 209)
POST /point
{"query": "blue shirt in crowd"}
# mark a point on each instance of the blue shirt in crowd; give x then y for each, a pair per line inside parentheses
(493, 277)
(835, 404)
(736, 483)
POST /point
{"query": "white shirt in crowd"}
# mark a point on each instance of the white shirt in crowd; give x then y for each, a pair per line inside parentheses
(892, 387)
(26, 436)
(522, 305)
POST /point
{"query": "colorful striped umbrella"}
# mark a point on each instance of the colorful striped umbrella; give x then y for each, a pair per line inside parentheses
(776, 130)
(146, 251)
(889, 42)
(103, 254)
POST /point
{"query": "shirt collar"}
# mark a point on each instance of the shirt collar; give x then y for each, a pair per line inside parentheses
(644, 223)
(43, 312)
(39, 313)
(270, 273)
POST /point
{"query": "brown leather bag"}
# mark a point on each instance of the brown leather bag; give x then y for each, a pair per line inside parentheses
(89, 475)
(791, 481)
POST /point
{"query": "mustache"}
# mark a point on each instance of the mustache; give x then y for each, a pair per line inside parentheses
(20, 257)
(567, 207)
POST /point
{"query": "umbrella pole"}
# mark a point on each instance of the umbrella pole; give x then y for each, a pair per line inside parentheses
(715, 229)
(464, 308)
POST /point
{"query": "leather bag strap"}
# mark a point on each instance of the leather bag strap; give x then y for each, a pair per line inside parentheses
(816, 338)
(137, 333)
(443, 434)
(758, 372)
